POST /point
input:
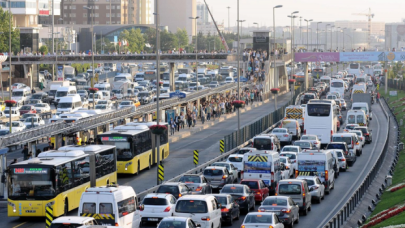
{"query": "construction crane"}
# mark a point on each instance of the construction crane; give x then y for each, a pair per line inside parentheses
(370, 16)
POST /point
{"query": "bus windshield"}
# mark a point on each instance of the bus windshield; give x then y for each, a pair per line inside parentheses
(337, 84)
(318, 109)
(354, 66)
(27, 182)
(124, 152)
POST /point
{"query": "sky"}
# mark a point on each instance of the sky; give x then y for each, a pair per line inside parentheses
(261, 11)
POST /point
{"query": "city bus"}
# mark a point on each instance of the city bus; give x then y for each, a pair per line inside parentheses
(321, 120)
(58, 179)
(134, 146)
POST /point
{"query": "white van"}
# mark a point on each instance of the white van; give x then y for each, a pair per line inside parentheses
(64, 91)
(264, 165)
(23, 94)
(104, 86)
(326, 79)
(317, 163)
(123, 77)
(352, 141)
(139, 77)
(338, 86)
(293, 126)
(73, 221)
(184, 77)
(97, 96)
(363, 106)
(202, 209)
(356, 117)
(111, 205)
(69, 103)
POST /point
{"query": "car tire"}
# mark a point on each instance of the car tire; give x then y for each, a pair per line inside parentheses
(305, 212)
(319, 199)
(291, 224)
(238, 216)
(230, 222)
(297, 220)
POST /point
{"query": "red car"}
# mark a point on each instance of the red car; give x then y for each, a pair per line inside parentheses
(27, 109)
(258, 187)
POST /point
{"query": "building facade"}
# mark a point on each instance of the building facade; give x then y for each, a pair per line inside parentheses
(202, 13)
(175, 14)
(394, 36)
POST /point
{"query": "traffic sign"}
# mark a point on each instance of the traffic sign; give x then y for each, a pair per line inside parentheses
(161, 172)
(195, 157)
(221, 146)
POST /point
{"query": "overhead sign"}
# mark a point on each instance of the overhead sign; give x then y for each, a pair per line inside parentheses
(177, 93)
(317, 56)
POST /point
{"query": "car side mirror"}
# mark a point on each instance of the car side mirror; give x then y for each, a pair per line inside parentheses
(198, 225)
(311, 189)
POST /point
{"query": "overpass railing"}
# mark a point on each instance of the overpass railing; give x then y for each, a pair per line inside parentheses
(113, 58)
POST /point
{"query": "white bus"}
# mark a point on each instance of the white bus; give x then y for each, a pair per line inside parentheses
(321, 120)
(354, 68)
(338, 86)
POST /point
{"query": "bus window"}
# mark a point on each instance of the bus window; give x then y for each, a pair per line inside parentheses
(318, 110)
(351, 119)
(337, 84)
(360, 119)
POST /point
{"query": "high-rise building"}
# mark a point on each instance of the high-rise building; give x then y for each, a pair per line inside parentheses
(175, 14)
(143, 12)
(202, 12)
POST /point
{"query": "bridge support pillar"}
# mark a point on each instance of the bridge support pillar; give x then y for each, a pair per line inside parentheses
(107, 127)
(58, 141)
(306, 80)
(3, 168)
(171, 79)
(95, 133)
(32, 146)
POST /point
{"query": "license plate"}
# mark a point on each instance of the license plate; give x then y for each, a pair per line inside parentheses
(276, 212)
(153, 219)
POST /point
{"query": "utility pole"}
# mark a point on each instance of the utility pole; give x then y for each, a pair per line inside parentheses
(229, 19)
(157, 137)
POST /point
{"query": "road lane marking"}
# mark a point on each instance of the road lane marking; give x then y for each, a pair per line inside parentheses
(354, 183)
(19, 225)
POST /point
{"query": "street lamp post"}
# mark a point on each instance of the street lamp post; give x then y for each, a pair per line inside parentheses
(92, 48)
(157, 138)
(9, 58)
(276, 78)
(255, 23)
(53, 41)
(343, 31)
(292, 41)
(239, 139)
(326, 36)
(229, 28)
(331, 39)
(196, 51)
(317, 36)
(307, 31)
(337, 38)
(300, 31)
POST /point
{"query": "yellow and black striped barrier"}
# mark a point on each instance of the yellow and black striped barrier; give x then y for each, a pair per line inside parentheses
(221, 146)
(48, 216)
(195, 157)
(253, 158)
(161, 172)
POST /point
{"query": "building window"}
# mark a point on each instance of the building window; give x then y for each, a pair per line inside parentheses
(118, 7)
(73, 7)
(108, 22)
(107, 15)
(96, 14)
(65, 15)
(97, 7)
(64, 7)
(85, 15)
(113, 15)
(72, 15)
(112, 7)
(96, 22)
(118, 15)
(107, 7)
(17, 4)
(118, 22)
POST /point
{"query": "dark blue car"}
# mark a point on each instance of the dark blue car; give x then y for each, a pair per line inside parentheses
(242, 79)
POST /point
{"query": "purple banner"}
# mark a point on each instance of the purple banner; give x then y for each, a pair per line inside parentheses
(317, 57)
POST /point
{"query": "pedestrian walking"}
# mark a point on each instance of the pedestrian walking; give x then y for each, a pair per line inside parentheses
(203, 115)
(177, 122)
(14, 161)
(194, 117)
(172, 126)
(252, 97)
(25, 152)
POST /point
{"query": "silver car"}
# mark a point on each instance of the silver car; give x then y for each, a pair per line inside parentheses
(230, 167)
(218, 176)
(284, 207)
(316, 188)
(197, 183)
(342, 160)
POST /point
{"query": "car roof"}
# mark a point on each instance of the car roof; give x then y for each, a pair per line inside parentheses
(183, 219)
(306, 177)
(72, 219)
(236, 155)
(158, 195)
(214, 167)
(172, 183)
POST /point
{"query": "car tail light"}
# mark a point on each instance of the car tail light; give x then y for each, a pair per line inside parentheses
(167, 209)
(286, 167)
(243, 198)
(357, 143)
(260, 210)
(331, 133)
(286, 211)
(315, 187)
(116, 224)
(272, 177)
(141, 208)
(326, 175)
(285, 135)
(296, 173)
(342, 159)
(243, 226)
(224, 210)
(346, 152)
(258, 193)
(206, 218)
(198, 189)
(315, 143)
(179, 195)
(272, 146)
(366, 134)
(271, 227)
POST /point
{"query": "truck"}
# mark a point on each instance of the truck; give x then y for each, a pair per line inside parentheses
(70, 72)
(362, 97)
(264, 165)
(119, 89)
(54, 87)
(130, 70)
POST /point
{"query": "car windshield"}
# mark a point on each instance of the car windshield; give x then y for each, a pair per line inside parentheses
(101, 107)
(61, 93)
(64, 105)
(33, 101)
(18, 94)
(214, 83)
(232, 189)
(308, 137)
(26, 115)
(31, 119)
(143, 94)
(190, 179)
(222, 200)
(125, 103)
(4, 132)
(155, 201)
(36, 96)
(283, 160)
(191, 206)
(102, 102)
(273, 201)
(290, 156)
(262, 218)
(350, 127)
(310, 182)
(65, 225)
(222, 165)
(279, 131)
(235, 159)
(362, 129)
(213, 172)
(116, 91)
(174, 190)
(290, 189)
(336, 146)
(172, 224)
(41, 105)
(347, 139)
(251, 184)
(25, 108)
(289, 148)
(13, 124)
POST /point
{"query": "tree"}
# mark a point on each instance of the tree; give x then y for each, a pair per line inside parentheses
(43, 50)
(168, 41)
(107, 45)
(182, 37)
(135, 39)
(4, 36)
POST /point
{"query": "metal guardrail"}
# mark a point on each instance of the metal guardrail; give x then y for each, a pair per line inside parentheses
(102, 119)
(201, 167)
(344, 213)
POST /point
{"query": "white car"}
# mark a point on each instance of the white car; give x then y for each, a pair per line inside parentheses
(41, 108)
(360, 136)
(296, 149)
(126, 104)
(293, 159)
(16, 126)
(4, 132)
(316, 188)
(342, 160)
(283, 135)
(288, 172)
(34, 121)
(315, 141)
(236, 160)
(156, 206)
(183, 222)
(349, 127)
(369, 83)
(261, 220)
(105, 102)
(14, 113)
(102, 107)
